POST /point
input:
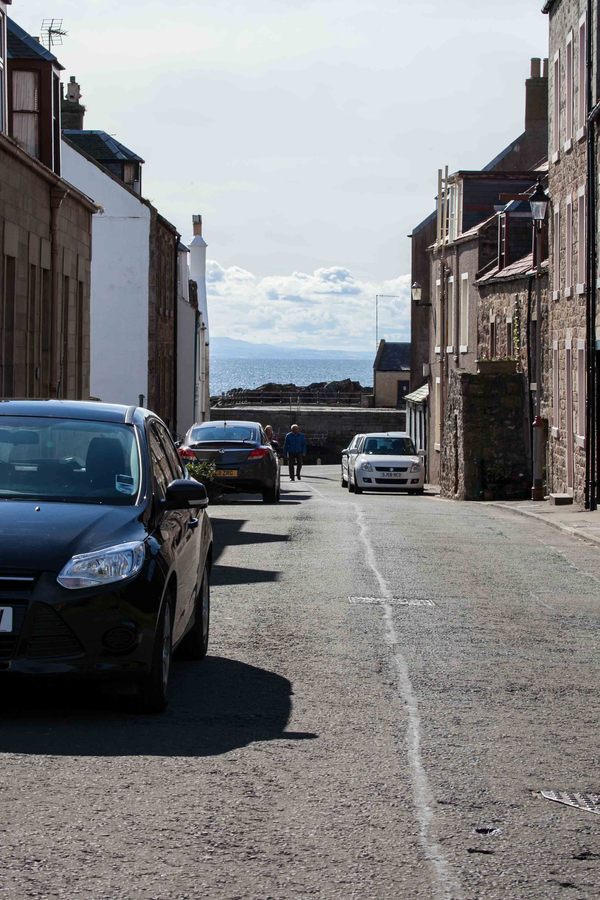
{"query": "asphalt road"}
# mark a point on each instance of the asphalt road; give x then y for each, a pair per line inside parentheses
(392, 683)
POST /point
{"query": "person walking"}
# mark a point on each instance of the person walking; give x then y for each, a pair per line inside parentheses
(294, 448)
(271, 440)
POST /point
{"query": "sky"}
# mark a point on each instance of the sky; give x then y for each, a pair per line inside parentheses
(308, 134)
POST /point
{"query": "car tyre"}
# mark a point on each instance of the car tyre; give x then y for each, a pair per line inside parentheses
(351, 485)
(418, 491)
(195, 643)
(271, 495)
(357, 489)
(152, 690)
(344, 482)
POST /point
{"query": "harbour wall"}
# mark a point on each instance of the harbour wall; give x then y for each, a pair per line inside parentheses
(328, 429)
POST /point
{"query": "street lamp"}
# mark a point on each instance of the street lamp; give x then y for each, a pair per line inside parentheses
(539, 206)
(416, 292)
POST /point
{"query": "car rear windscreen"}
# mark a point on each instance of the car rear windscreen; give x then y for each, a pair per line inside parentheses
(223, 433)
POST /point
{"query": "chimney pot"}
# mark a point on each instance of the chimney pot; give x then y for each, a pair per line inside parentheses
(197, 223)
(545, 68)
(535, 67)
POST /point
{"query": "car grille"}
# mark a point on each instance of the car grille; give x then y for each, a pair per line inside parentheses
(17, 581)
(391, 468)
(50, 636)
(391, 480)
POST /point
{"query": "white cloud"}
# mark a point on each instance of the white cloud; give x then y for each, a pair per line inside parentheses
(330, 308)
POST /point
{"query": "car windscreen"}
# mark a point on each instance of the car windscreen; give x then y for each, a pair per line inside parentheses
(217, 433)
(68, 460)
(389, 446)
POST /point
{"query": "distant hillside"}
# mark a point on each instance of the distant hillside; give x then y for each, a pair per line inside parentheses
(229, 348)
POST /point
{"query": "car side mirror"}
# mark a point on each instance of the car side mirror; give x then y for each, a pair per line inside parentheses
(185, 493)
(354, 450)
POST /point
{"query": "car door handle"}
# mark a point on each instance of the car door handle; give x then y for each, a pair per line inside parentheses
(193, 523)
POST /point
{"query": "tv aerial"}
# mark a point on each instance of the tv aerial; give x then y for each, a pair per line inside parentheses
(52, 32)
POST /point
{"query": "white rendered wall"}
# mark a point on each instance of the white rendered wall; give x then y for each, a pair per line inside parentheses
(119, 283)
(198, 274)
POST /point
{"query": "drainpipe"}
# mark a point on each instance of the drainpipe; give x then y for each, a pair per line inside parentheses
(593, 394)
(57, 344)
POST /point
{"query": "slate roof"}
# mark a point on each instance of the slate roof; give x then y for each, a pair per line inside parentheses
(520, 268)
(21, 45)
(392, 357)
(419, 396)
(101, 146)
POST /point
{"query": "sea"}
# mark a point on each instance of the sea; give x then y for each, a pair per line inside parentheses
(226, 374)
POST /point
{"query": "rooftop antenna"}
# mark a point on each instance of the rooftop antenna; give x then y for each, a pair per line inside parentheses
(52, 32)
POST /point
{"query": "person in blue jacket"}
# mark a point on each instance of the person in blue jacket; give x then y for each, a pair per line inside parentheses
(294, 448)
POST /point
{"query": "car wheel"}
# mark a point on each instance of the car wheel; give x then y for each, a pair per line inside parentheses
(195, 643)
(344, 482)
(270, 495)
(357, 489)
(152, 690)
(351, 485)
(418, 491)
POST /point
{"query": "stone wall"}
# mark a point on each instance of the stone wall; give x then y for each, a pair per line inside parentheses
(45, 251)
(567, 314)
(485, 454)
(162, 312)
(328, 430)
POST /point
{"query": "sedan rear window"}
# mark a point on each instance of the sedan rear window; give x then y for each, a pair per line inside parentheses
(232, 432)
(388, 446)
(68, 460)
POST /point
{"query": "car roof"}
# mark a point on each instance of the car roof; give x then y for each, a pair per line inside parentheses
(403, 434)
(73, 409)
(226, 422)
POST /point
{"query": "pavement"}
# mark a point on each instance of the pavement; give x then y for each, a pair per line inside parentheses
(572, 519)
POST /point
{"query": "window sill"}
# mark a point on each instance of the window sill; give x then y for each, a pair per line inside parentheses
(580, 134)
(464, 348)
(555, 432)
(580, 289)
(556, 156)
(568, 146)
(568, 292)
(450, 349)
(437, 447)
(580, 441)
(437, 349)
(556, 295)
(533, 386)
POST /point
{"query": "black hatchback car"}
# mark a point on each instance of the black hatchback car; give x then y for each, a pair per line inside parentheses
(244, 459)
(105, 547)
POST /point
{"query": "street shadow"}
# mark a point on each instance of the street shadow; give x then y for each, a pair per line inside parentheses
(228, 533)
(214, 707)
(227, 575)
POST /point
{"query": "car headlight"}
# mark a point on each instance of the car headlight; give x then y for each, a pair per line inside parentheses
(103, 566)
(366, 467)
(416, 467)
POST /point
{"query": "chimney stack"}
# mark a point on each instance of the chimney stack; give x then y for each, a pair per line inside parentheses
(536, 97)
(72, 111)
(197, 223)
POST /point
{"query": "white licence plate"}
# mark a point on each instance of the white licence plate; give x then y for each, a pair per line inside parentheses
(6, 618)
(391, 474)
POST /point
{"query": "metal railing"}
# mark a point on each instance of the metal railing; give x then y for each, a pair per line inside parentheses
(291, 398)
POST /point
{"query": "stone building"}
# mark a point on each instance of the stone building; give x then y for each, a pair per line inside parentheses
(572, 344)
(391, 374)
(45, 232)
(463, 238)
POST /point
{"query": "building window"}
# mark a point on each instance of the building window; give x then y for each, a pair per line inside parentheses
(555, 390)
(450, 314)
(582, 77)
(581, 241)
(581, 392)
(510, 343)
(438, 315)
(569, 246)
(464, 312)
(556, 107)
(8, 327)
(26, 111)
(569, 92)
(493, 338)
(556, 253)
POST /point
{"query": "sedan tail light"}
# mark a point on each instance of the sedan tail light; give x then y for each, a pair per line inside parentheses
(259, 453)
(186, 453)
